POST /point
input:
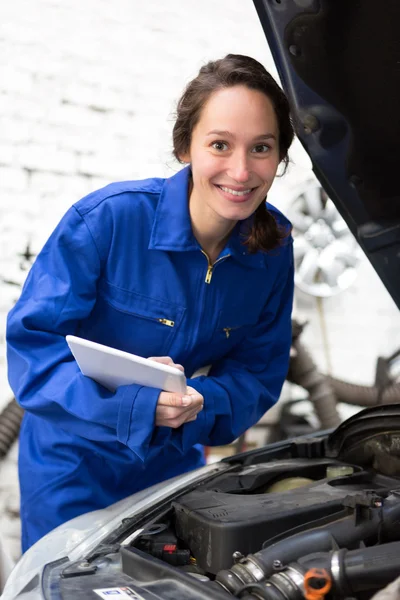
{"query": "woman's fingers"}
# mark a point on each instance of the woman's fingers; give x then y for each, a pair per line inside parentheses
(173, 409)
(171, 399)
(167, 360)
(172, 412)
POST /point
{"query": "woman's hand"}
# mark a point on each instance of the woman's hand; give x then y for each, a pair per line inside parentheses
(173, 410)
(166, 360)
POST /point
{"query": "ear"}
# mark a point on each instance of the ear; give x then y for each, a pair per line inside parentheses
(185, 158)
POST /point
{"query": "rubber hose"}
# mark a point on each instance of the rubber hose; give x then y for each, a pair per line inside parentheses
(371, 568)
(343, 533)
(304, 372)
(256, 591)
(10, 422)
(363, 395)
(362, 570)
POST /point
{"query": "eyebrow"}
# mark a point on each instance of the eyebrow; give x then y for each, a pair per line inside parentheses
(263, 136)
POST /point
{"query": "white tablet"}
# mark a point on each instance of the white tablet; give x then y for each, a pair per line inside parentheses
(113, 368)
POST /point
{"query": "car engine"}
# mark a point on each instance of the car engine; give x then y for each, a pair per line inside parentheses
(315, 518)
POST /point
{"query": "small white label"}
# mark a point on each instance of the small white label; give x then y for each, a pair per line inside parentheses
(123, 593)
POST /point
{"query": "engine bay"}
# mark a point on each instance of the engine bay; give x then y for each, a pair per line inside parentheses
(209, 531)
(247, 510)
(315, 518)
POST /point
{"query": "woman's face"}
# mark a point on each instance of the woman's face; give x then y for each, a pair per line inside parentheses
(234, 153)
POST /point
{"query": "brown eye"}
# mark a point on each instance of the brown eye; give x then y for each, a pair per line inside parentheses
(261, 148)
(220, 146)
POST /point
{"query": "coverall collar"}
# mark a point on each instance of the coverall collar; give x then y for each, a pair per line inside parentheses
(172, 229)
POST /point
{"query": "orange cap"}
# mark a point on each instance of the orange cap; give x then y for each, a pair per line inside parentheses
(317, 584)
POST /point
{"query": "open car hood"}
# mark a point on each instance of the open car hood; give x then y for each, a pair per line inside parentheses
(339, 63)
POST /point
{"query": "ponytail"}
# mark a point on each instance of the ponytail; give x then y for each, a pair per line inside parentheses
(265, 233)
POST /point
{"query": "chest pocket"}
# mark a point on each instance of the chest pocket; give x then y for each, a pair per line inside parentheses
(139, 324)
(233, 325)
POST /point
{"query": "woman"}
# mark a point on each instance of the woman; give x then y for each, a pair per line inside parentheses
(196, 267)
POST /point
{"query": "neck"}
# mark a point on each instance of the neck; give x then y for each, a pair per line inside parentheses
(210, 230)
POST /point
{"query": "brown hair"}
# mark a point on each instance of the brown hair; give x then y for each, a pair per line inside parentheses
(235, 69)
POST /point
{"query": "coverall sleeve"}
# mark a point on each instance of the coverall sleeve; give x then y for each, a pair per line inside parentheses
(243, 385)
(59, 292)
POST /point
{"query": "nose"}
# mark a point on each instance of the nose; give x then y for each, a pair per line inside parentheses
(238, 168)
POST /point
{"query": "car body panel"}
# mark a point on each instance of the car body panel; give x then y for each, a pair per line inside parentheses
(339, 63)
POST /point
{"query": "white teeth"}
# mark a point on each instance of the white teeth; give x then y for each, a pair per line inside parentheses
(234, 192)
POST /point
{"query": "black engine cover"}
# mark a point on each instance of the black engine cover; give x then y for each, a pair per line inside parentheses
(215, 523)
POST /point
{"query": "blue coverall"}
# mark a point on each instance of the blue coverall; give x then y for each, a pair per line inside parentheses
(123, 268)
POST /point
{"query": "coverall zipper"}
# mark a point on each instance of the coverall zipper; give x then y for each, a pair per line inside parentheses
(211, 266)
(167, 322)
(227, 330)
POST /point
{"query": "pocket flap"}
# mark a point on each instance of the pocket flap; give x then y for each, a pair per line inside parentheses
(138, 305)
(236, 317)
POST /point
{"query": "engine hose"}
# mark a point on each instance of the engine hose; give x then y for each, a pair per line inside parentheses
(304, 372)
(344, 533)
(10, 422)
(345, 573)
(363, 395)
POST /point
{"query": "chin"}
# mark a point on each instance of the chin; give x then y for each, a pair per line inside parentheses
(236, 214)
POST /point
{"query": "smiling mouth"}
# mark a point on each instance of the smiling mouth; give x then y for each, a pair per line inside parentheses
(239, 193)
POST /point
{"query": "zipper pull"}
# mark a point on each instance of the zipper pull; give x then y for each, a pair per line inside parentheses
(167, 322)
(209, 274)
(227, 331)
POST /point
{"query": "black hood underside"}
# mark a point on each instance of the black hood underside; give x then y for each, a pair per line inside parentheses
(339, 62)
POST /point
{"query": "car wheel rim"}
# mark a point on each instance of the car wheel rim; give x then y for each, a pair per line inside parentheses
(326, 253)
